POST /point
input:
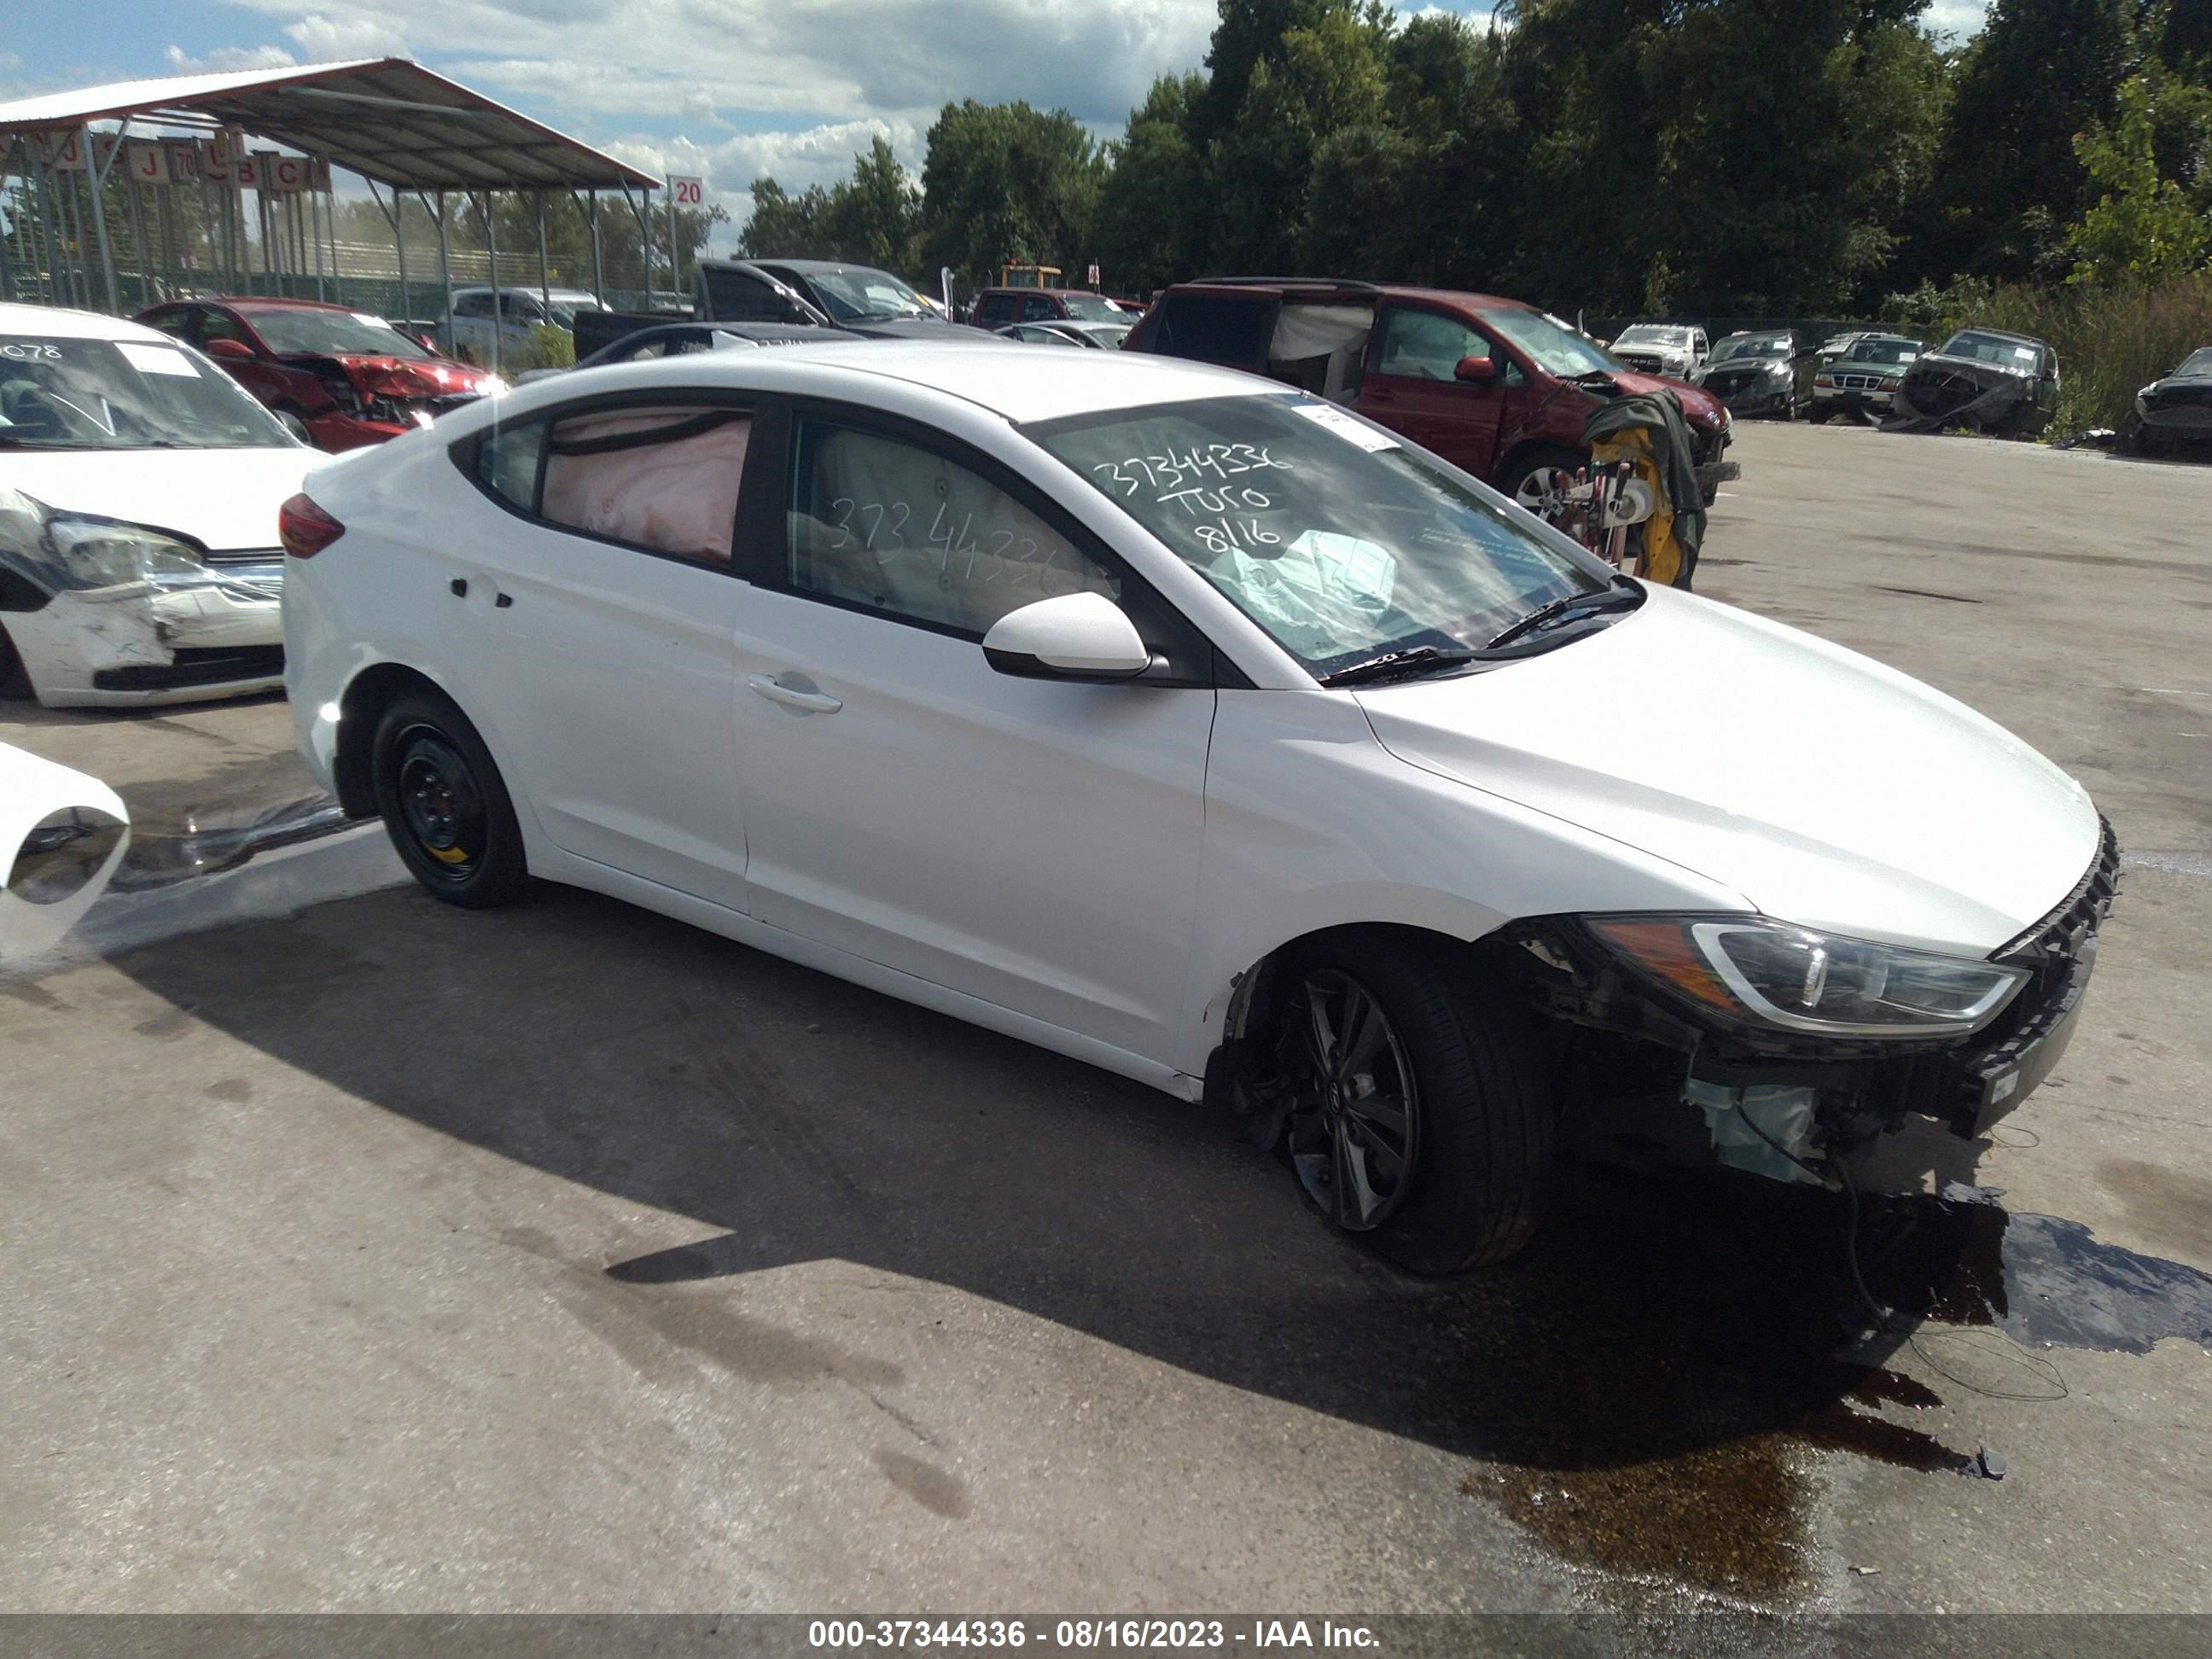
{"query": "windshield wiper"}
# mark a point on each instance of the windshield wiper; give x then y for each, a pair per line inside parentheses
(1622, 597)
(1391, 665)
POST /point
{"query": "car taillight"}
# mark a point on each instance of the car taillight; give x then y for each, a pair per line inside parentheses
(304, 529)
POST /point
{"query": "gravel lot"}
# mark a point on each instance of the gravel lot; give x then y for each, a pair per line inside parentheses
(364, 1253)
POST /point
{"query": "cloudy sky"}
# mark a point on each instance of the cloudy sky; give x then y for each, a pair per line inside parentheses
(729, 89)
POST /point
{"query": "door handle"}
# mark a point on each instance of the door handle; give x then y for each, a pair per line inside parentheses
(814, 703)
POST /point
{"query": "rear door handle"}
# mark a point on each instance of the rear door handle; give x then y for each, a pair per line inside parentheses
(814, 703)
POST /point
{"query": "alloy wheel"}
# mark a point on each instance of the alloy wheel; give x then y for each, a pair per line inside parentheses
(1354, 1120)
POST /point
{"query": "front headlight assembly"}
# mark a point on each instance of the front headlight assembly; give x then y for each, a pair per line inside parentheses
(1798, 980)
(101, 553)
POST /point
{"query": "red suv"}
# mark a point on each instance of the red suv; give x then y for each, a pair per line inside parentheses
(349, 379)
(1495, 386)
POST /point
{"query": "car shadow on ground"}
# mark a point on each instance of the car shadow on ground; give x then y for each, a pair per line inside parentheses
(1641, 1389)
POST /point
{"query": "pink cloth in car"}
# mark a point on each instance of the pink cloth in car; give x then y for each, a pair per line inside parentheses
(679, 497)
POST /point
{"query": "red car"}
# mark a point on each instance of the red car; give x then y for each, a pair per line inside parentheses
(1495, 386)
(349, 378)
(995, 307)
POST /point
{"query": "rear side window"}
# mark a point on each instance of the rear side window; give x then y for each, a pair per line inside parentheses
(995, 308)
(665, 480)
(882, 524)
(507, 463)
(738, 296)
(1215, 328)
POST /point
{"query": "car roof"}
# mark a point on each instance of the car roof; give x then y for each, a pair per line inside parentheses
(59, 323)
(1350, 289)
(1996, 334)
(1020, 386)
(273, 302)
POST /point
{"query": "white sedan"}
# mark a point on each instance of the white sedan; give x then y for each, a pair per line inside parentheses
(138, 494)
(1203, 731)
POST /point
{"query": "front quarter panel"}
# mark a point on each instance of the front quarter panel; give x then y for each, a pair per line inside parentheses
(1310, 824)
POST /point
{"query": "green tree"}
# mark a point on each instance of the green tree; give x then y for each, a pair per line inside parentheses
(1152, 222)
(873, 217)
(2143, 226)
(1007, 183)
(785, 227)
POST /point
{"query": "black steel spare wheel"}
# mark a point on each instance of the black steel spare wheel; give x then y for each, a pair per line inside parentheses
(444, 804)
(1355, 1127)
(441, 803)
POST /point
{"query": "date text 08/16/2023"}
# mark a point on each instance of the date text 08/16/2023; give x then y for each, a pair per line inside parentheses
(1086, 1634)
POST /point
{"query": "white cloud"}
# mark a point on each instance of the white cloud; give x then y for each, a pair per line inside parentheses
(326, 40)
(1959, 17)
(227, 58)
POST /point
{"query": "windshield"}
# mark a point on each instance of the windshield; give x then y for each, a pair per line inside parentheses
(108, 394)
(1090, 307)
(1883, 351)
(1328, 533)
(857, 292)
(2196, 363)
(1753, 345)
(334, 333)
(1991, 348)
(1556, 349)
(1652, 334)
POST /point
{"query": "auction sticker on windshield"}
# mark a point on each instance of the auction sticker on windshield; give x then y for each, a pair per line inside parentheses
(1336, 421)
(157, 359)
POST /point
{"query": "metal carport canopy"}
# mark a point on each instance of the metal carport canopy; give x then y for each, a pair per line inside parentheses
(387, 118)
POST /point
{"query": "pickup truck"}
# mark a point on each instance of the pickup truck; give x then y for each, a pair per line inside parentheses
(1495, 386)
(855, 299)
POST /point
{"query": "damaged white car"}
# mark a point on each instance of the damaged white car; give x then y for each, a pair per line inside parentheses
(139, 486)
(1200, 729)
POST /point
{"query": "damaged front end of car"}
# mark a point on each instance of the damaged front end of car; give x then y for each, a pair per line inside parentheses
(1797, 1046)
(100, 609)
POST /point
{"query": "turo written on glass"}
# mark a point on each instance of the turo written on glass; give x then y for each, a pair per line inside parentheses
(1325, 531)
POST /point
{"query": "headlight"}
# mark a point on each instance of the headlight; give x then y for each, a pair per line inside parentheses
(99, 554)
(1803, 981)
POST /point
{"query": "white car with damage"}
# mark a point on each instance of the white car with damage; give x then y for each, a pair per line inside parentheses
(1201, 730)
(139, 486)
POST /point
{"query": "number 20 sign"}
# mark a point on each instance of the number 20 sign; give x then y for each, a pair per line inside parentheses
(688, 192)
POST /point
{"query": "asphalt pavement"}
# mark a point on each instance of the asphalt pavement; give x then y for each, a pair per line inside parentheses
(364, 1253)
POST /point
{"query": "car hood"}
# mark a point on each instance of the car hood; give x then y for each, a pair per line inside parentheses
(904, 328)
(412, 377)
(1698, 408)
(1976, 368)
(1826, 788)
(224, 499)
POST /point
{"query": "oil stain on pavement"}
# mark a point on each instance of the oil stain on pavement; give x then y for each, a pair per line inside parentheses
(1744, 1342)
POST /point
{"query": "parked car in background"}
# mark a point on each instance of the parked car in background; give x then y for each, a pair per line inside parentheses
(1766, 372)
(1985, 380)
(1493, 386)
(995, 307)
(1346, 795)
(347, 377)
(857, 297)
(139, 494)
(681, 339)
(1673, 349)
(2172, 411)
(1864, 377)
(513, 314)
(1836, 344)
(1104, 336)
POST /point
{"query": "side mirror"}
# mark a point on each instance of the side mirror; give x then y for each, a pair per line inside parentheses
(1475, 371)
(230, 351)
(1076, 636)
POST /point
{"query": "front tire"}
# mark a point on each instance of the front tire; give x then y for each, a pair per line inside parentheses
(444, 804)
(1417, 1116)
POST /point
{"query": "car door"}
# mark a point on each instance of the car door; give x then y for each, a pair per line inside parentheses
(591, 623)
(1409, 384)
(993, 311)
(1034, 843)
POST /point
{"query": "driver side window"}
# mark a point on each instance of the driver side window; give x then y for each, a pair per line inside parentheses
(1423, 345)
(881, 524)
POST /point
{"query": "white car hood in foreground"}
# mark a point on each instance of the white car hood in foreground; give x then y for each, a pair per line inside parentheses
(1827, 789)
(224, 499)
